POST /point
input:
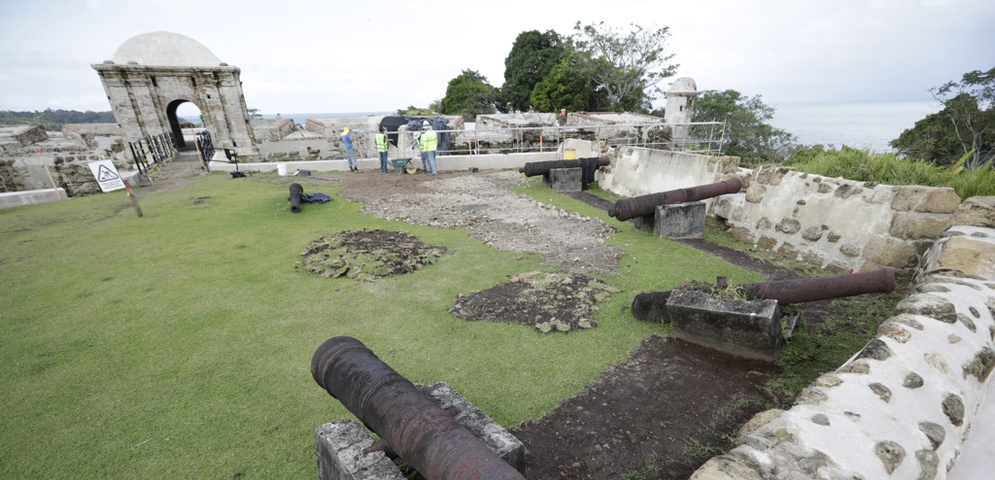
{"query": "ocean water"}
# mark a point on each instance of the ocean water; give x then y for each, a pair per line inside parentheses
(858, 125)
(301, 118)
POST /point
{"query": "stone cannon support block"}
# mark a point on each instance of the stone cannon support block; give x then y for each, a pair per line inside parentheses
(645, 223)
(564, 179)
(503, 443)
(750, 329)
(340, 444)
(340, 447)
(682, 220)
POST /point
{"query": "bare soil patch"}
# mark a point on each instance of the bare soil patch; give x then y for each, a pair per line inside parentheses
(549, 302)
(368, 254)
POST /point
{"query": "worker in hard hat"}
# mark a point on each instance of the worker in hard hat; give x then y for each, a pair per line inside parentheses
(350, 154)
(381, 139)
(429, 142)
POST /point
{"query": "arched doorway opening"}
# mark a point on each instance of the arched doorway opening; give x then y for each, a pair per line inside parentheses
(181, 114)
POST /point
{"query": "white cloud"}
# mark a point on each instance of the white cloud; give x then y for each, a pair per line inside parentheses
(318, 56)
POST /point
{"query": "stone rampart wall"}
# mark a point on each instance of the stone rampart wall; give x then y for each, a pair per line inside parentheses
(905, 404)
(65, 154)
(831, 223)
(834, 223)
(272, 130)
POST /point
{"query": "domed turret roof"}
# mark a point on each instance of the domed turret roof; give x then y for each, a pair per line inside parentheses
(165, 49)
(683, 85)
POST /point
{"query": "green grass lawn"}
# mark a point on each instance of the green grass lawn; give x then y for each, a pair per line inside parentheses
(178, 345)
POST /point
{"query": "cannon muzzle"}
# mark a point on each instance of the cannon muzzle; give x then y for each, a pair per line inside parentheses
(653, 305)
(409, 423)
(295, 197)
(632, 207)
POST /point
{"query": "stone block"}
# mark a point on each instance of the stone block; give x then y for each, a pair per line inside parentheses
(750, 329)
(682, 220)
(891, 252)
(644, 223)
(976, 212)
(915, 198)
(912, 225)
(972, 257)
(340, 444)
(564, 179)
(500, 441)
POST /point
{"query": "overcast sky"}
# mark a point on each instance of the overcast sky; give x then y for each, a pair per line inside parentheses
(322, 56)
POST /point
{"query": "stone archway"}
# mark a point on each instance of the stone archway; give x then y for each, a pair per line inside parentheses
(152, 74)
(174, 121)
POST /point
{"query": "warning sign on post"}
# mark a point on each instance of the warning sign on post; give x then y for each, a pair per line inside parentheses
(107, 176)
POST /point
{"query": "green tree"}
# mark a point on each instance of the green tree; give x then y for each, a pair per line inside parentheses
(52, 120)
(413, 110)
(469, 95)
(748, 136)
(625, 66)
(934, 138)
(532, 57)
(567, 87)
(965, 126)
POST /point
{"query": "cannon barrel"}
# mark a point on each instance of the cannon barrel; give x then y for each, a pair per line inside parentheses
(653, 305)
(295, 197)
(801, 290)
(532, 169)
(424, 436)
(632, 207)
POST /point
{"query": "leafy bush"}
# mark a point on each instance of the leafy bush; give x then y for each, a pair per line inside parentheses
(864, 166)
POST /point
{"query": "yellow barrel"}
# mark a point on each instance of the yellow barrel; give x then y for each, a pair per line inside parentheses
(569, 154)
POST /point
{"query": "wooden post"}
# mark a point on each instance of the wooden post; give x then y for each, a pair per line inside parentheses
(50, 179)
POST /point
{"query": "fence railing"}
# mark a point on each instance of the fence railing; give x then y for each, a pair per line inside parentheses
(153, 150)
(697, 137)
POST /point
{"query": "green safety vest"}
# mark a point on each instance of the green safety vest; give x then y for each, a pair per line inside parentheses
(429, 141)
(381, 142)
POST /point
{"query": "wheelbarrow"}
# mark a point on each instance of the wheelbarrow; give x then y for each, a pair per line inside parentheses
(400, 164)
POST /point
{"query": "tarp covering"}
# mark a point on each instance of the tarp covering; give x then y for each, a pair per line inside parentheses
(415, 124)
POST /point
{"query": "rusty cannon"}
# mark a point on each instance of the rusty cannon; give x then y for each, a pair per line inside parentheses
(643, 205)
(409, 423)
(532, 169)
(653, 305)
(296, 190)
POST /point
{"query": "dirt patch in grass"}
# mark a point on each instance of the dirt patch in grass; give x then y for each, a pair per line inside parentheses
(659, 415)
(548, 302)
(368, 254)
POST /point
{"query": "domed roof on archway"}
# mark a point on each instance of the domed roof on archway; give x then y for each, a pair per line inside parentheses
(165, 49)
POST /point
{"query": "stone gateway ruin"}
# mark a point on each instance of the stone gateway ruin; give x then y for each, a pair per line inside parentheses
(152, 74)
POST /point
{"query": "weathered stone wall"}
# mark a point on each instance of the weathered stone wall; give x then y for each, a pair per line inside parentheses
(640, 171)
(835, 223)
(272, 130)
(831, 223)
(141, 97)
(65, 154)
(904, 405)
